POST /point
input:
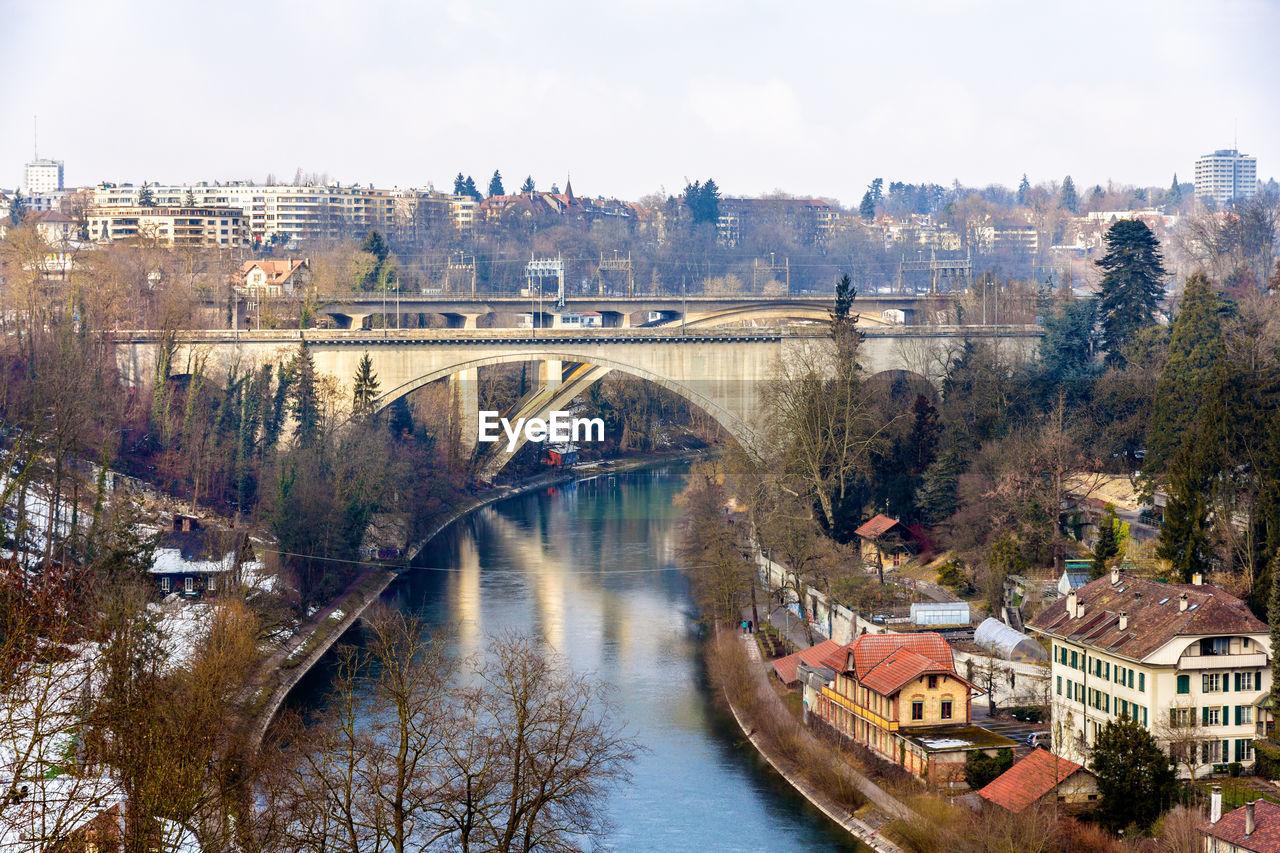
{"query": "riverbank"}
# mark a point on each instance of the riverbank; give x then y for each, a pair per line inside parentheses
(276, 677)
(852, 801)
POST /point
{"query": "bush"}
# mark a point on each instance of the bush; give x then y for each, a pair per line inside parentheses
(981, 769)
(1233, 769)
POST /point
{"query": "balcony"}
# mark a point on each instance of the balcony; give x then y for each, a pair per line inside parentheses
(1257, 660)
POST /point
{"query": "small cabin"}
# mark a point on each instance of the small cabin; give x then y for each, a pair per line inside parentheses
(560, 455)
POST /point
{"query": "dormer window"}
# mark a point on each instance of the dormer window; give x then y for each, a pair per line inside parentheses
(1215, 645)
(933, 682)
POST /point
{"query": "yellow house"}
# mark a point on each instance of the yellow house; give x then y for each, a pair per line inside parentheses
(900, 696)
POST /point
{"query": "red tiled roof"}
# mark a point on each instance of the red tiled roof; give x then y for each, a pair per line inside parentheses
(876, 527)
(1028, 780)
(904, 665)
(1154, 615)
(885, 662)
(786, 667)
(1266, 832)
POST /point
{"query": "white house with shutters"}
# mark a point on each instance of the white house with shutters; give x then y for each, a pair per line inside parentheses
(1188, 661)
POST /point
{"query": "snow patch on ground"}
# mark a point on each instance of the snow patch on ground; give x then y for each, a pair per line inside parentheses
(944, 742)
(183, 627)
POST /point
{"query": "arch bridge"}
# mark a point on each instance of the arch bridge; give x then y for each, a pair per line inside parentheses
(721, 371)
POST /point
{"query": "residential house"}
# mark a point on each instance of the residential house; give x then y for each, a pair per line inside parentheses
(899, 695)
(1188, 661)
(885, 542)
(197, 562)
(1252, 828)
(1042, 777)
(258, 279)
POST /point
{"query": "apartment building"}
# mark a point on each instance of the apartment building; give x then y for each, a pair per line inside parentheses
(217, 227)
(1226, 176)
(42, 176)
(305, 213)
(1188, 661)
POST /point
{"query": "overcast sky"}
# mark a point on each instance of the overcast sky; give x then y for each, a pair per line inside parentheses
(634, 96)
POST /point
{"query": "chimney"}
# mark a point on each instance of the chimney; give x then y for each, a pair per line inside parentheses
(1215, 804)
(1182, 602)
(1197, 579)
(1249, 825)
(1071, 604)
(1124, 620)
(1115, 576)
(1080, 610)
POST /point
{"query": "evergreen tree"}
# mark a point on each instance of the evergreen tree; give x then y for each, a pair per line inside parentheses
(1066, 351)
(495, 184)
(876, 189)
(867, 209)
(843, 323)
(1107, 546)
(1069, 199)
(1174, 196)
(469, 188)
(304, 397)
(528, 185)
(1184, 538)
(1196, 359)
(1024, 191)
(366, 389)
(937, 499)
(1131, 285)
(17, 208)
(189, 200)
(460, 185)
(1135, 777)
(146, 197)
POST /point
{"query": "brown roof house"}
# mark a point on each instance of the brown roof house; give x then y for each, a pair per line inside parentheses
(1042, 777)
(899, 695)
(1252, 828)
(1188, 661)
(885, 542)
(272, 278)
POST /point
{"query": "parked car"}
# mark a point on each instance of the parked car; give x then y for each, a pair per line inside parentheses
(1038, 739)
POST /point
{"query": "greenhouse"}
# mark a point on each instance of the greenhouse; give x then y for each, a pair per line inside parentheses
(1003, 641)
(940, 613)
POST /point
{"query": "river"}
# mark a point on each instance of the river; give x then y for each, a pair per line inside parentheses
(590, 568)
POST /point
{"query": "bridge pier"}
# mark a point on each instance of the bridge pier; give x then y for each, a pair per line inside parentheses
(458, 320)
(464, 388)
(550, 373)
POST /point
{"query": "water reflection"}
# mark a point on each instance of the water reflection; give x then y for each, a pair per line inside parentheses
(590, 568)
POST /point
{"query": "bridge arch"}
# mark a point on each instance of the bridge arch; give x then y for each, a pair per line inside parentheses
(777, 311)
(738, 428)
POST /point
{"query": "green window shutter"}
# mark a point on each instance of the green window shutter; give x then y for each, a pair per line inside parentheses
(1108, 702)
(1239, 749)
(1226, 683)
(1108, 675)
(1144, 715)
(1237, 682)
(1237, 715)
(1184, 684)
(1142, 682)
(1204, 716)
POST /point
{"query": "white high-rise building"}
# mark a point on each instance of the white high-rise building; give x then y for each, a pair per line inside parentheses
(42, 176)
(1226, 176)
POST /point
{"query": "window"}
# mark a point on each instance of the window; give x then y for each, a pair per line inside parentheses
(1142, 683)
(933, 682)
(917, 710)
(1211, 682)
(1246, 681)
(1184, 684)
(1215, 645)
(190, 583)
(946, 709)
(1211, 752)
(1212, 715)
(166, 584)
(1074, 664)
(211, 584)
(1179, 717)
(1244, 715)
(1059, 685)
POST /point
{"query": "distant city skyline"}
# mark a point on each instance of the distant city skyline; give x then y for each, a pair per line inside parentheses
(638, 96)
